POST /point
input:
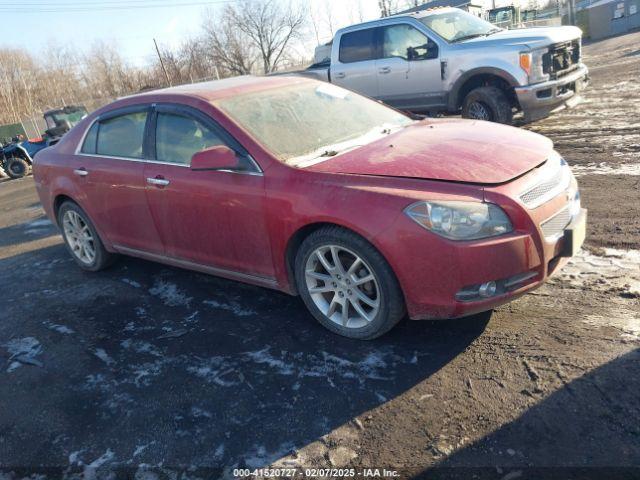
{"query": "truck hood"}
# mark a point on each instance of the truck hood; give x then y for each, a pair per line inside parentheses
(532, 37)
(452, 150)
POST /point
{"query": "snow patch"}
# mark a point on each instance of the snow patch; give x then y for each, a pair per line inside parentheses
(140, 346)
(133, 283)
(170, 294)
(23, 351)
(603, 168)
(265, 358)
(43, 222)
(104, 356)
(197, 412)
(236, 309)
(59, 328)
(609, 270)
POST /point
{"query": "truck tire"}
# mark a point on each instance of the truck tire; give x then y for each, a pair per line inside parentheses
(487, 103)
(17, 167)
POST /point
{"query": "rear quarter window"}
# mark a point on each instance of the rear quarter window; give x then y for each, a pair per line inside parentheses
(357, 46)
(89, 144)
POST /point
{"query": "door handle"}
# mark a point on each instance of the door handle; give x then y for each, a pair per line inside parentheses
(384, 70)
(81, 172)
(340, 75)
(161, 182)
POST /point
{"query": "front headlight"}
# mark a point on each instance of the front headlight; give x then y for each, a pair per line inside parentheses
(531, 62)
(460, 220)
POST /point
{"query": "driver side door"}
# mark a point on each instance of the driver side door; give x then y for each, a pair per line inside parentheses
(408, 69)
(212, 218)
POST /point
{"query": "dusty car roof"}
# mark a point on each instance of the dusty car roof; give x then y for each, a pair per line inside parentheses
(217, 89)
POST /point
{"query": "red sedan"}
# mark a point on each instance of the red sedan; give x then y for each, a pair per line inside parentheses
(314, 190)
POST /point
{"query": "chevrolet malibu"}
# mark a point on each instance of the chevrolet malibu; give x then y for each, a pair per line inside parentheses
(301, 186)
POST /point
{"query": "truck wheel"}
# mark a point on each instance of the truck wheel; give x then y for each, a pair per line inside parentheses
(17, 167)
(487, 103)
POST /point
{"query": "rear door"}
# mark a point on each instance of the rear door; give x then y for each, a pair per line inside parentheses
(355, 67)
(212, 218)
(109, 169)
(408, 69)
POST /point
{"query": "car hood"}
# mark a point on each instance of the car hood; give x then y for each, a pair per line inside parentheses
(450, 150)
(532, 37)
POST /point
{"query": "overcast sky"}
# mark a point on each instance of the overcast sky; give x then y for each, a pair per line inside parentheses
(132, 24)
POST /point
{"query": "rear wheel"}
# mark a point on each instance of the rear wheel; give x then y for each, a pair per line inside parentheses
(489, 104)
(17, 167)
(81, 238)
(347, 284)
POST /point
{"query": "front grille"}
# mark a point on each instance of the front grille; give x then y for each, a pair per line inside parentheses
(555, 181)
(554, 226)
(561, 58)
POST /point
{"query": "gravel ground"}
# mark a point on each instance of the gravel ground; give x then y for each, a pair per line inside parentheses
(146, 368)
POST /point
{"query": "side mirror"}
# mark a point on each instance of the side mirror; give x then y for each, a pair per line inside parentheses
(219, 157)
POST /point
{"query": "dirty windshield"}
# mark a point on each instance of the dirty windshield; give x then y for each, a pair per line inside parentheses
(457, 25)
(298, 123)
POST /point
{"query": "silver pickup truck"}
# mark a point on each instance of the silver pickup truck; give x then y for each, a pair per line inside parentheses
(447, 60)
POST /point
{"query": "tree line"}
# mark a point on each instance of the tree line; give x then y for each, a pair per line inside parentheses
(246, 37)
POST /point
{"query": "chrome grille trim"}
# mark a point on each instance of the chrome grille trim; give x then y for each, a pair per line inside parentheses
(553, 227)
(554, 183)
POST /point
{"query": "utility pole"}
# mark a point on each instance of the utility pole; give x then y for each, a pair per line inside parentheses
(166, 75)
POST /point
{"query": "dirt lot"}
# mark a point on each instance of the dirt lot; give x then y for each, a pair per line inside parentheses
(149, 368)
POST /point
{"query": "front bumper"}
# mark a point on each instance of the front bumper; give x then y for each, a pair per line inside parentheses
(538, 100)
(434, 272)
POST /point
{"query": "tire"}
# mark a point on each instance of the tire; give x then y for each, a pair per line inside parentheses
(17, 167)
(487, 103)
(100, 259)
(373, 307)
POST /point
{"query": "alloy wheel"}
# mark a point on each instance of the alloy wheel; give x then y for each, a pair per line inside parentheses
(79, 237)
(343, 286)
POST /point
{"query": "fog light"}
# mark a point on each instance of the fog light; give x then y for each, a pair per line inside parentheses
(487, 289)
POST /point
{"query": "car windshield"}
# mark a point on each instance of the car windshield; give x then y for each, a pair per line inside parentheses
(458, 25)
(303, 123)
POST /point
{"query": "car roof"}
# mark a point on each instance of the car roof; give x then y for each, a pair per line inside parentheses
(218, 89)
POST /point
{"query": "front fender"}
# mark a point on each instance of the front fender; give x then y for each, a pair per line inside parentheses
(510, 73)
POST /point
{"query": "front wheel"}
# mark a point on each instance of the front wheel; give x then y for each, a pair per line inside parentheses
(17, 167)
(347, 285)
(489, 104)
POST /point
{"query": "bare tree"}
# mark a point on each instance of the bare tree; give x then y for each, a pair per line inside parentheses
(268, 26)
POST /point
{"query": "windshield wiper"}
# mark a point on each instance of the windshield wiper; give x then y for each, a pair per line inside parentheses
(492, 31)
(468, 37)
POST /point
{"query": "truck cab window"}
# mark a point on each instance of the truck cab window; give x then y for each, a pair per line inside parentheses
(407, 42)
(357, 46)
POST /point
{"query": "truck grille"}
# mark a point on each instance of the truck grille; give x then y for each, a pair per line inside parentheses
(561, 58)
(554, 226)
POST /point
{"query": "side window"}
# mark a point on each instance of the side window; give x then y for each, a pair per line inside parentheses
(407, 42)
(89, 145)
(357, 46)
(178, 137)
(122, 136)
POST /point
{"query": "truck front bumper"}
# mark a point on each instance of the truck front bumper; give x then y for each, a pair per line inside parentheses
(538, 100)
